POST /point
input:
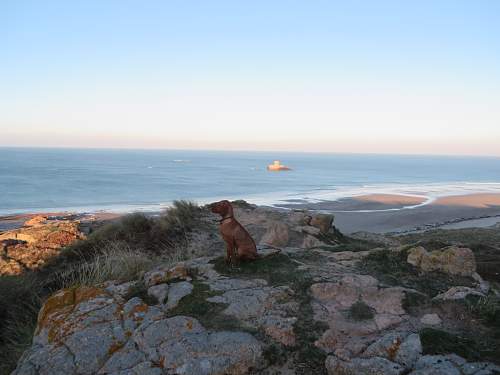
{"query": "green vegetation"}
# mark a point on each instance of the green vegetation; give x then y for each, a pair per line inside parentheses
(20, 298)
(309, 358)
(121, 250)
(484, 242)
(209, 314)
(487, 309)
(355, 245)
(155, 235)
(391, 267)
(276, 269)
(140, 290)
(279, 270)
(361, 311)
(413, 301)
(435, 341)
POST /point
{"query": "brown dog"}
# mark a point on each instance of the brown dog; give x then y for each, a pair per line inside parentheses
(239, 244)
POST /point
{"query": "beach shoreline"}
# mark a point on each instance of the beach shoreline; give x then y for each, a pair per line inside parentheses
(401, 214)
(376, 212)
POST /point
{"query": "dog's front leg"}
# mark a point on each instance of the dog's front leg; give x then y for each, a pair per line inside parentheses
(229, 250)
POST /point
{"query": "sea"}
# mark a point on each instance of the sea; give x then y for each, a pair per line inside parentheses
(118, 180)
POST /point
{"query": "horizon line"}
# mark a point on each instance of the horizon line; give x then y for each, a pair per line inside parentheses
(251, 151)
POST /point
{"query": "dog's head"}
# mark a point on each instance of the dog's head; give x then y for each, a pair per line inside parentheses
(222, 208)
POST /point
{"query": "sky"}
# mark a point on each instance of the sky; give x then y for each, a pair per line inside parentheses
(418, 77)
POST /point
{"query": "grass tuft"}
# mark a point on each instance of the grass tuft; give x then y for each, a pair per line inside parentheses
(209, 314)
(276, 269)
(360, 311)
(435, 341)
(140, 290)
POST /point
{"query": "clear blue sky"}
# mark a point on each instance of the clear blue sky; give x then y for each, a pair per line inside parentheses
(339, 76)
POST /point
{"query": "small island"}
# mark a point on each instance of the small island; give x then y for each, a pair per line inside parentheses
(277, 166)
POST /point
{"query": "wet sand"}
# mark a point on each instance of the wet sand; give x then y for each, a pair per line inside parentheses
(383, 213)
(378, 213)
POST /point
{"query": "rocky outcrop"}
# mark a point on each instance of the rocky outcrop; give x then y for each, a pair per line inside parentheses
(99, 331)
(287, 229)
(32, 246)
(324, 222)
(356, 310)
(453, 260)
(296, 311)
(276, 235)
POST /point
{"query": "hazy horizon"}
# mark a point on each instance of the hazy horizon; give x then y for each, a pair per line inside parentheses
(279, 152)
(334, 77)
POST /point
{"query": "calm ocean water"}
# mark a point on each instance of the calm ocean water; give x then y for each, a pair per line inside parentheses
(125, 180)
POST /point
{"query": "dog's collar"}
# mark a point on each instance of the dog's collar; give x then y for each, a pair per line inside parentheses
(229, 217)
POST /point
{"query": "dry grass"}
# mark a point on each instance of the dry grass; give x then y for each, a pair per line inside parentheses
(122, 250)
(117, 261)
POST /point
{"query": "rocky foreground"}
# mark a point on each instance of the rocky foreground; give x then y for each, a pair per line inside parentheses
(298, 311)
(317, 302)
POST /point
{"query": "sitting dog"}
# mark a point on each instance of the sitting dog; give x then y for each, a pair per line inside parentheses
(239, 244)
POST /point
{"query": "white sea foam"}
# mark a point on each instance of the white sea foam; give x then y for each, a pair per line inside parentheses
(429, 192)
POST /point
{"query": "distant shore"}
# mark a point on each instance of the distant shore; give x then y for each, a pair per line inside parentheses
(394, 213)
(378, 213)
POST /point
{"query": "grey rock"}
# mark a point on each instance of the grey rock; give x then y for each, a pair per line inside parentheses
(399, 347)
(323, 222)
(185, 347)
(224, 285)
(119, 289)
(160, 292)
(431, 319)
(123, 359)
(457, 293)
(176, 292)
(362, 366)
(313, 231)
(311, 242)
(480, 368)
(439, 365)
(276, 234)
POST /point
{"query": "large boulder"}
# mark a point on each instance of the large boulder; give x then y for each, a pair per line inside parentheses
(90, 331)
(323, 222)
(356, 310)
(453, 260)
(362, 366)
(276, 235)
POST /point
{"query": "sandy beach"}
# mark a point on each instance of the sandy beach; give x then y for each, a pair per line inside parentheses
(382, 213)
(378, 213)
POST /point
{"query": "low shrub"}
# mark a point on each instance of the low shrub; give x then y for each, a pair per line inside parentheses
(361, 311)
(436, 341)
(120, 250)
(20, 298)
